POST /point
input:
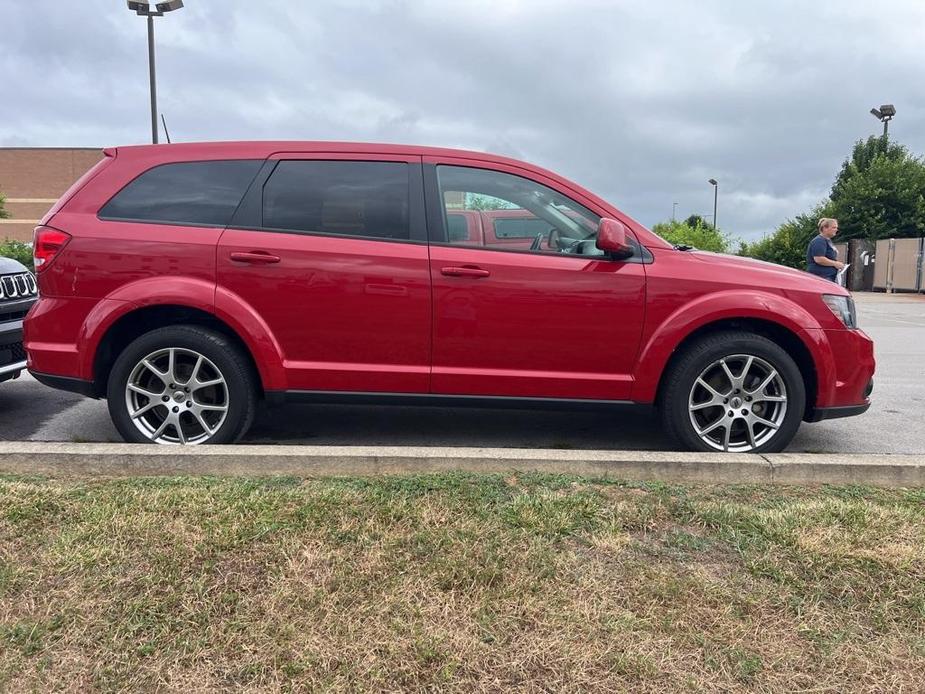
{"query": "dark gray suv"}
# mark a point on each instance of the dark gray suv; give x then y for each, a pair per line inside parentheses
(17, 294)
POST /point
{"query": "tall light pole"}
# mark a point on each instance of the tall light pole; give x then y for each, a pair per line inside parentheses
(143, 9)
(884, 114)
(715, 185)
(674, 206)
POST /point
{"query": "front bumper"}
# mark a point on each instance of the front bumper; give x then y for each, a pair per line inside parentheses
(817, 414)
(12, 353)
(11, 370)
(844, 370)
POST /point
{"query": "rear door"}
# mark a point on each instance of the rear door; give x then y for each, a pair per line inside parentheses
(330, 250)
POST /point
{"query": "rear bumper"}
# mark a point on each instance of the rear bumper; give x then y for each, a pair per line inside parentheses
(72, 385)
(52, 332)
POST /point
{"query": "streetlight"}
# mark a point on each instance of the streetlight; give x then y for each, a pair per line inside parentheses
(884, 114)
(715, 185)
(143, 9)
(674, 206)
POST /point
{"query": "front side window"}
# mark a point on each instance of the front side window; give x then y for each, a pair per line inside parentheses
(516, 213)
(199, 193)
(347, 198)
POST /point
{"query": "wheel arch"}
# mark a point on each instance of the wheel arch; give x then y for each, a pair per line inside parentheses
(140, 320)
(781, 335)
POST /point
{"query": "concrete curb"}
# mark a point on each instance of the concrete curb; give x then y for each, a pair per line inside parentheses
(70, 460)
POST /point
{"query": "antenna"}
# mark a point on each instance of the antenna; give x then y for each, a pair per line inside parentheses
(165, 128)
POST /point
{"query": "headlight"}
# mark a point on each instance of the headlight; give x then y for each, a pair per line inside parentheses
(843, 308)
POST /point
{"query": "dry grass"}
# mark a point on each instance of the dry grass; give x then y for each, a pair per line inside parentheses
(458, 583)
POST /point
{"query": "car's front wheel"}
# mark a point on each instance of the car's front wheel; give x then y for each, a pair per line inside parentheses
(181, 385)
(733, 391)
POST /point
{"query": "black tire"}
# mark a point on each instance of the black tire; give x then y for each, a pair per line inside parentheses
(239, 389)
(681, 377)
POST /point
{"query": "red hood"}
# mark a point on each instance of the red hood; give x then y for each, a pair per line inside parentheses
(770, 274)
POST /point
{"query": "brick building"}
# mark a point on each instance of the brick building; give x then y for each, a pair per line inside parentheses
(33, 178)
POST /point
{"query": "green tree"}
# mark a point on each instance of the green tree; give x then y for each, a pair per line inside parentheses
(3, 213)
(695, 220)
(879, 193)
(477, 201)
(787, 245)
(700, 236)
(862, 157)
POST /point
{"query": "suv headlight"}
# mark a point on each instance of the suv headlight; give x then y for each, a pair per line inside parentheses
(843, 308)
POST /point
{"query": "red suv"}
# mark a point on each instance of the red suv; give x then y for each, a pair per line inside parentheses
(187, 283)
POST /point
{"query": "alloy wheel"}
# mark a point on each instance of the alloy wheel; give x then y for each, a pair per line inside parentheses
(177, 396)
(738, 403)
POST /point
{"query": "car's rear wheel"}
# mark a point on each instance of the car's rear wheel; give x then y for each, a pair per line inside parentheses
(181, 385)
(733, 392)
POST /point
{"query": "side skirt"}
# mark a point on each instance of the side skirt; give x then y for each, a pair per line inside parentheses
(280, 397)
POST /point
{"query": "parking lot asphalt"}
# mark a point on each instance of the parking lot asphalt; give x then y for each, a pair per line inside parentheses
(895, 422)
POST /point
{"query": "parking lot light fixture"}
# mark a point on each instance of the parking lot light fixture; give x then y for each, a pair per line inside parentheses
(144, 9)
(884, 114)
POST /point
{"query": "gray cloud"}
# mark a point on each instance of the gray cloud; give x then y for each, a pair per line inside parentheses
(639, 102)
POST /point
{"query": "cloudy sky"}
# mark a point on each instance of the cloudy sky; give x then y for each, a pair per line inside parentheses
(641, 102)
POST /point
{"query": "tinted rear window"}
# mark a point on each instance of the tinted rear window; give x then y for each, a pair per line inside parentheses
(196, 192)
(348, 198)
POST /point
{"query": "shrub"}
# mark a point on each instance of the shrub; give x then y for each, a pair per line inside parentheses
(17, 250)
(698, 235)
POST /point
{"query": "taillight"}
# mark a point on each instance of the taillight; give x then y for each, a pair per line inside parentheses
(46, 244)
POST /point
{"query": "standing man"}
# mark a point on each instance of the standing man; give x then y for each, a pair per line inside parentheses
(821, 256)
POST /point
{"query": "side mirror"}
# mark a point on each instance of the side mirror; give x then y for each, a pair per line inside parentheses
(612, 239)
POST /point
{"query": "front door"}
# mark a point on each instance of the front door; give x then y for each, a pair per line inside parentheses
(530, 308)
(330, 252)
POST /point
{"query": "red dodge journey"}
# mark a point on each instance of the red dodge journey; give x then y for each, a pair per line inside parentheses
(190, 283)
